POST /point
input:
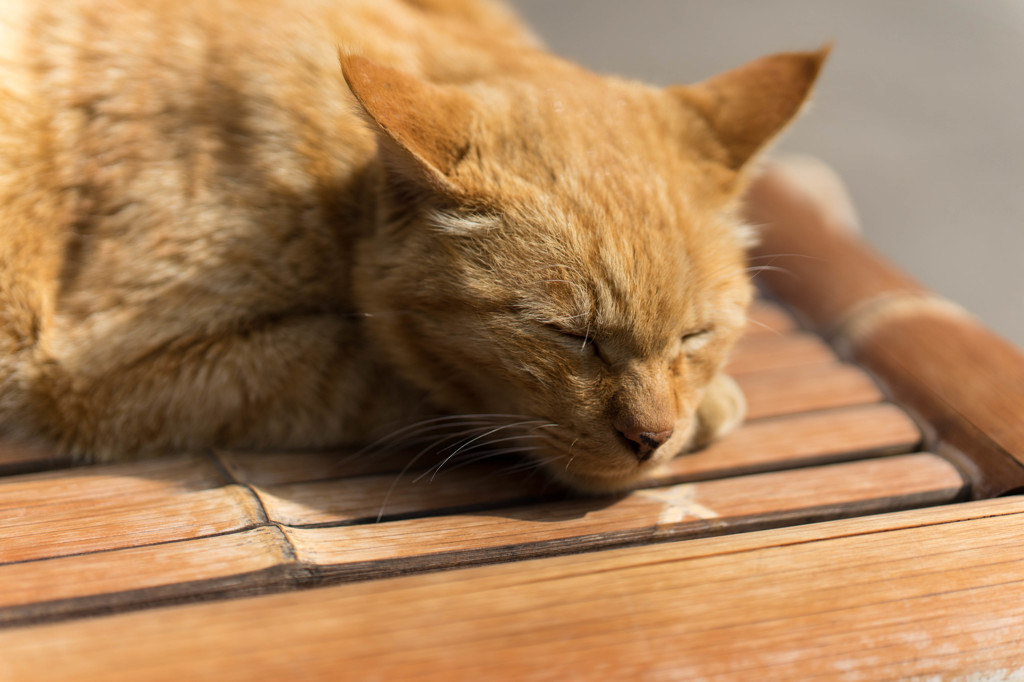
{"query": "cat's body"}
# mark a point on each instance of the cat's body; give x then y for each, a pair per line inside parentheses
(207, 240)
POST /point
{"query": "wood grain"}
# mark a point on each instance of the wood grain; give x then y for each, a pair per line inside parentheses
(791, 390)
(105, 507)
(97, 525)
(928, 592)
(769, 352)
(117, 579)
(712, 507)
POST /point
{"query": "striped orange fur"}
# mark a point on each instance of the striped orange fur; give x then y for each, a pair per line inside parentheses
(213, 235)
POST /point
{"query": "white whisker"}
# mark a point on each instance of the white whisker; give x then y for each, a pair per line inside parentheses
(486, 445)
(420, 427)
(769, 268)
(572, 456)
(772, 256)
(751, 320)
(470, 442)
(490, 454)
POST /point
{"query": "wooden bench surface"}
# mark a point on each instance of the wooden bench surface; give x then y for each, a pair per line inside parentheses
(830, 535)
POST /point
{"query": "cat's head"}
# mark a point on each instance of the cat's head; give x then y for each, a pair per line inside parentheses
(565, 248)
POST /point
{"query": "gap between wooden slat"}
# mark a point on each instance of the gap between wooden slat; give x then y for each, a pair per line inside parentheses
(889, 427)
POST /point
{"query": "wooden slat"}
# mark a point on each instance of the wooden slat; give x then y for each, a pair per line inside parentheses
(106, 507)
(768, 352)
(712, 507)
(95, 526)
(801, 389)
(800, 440)
(928, 592)
(117, 579)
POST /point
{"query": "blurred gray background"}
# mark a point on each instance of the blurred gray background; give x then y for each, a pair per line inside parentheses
(920, 109)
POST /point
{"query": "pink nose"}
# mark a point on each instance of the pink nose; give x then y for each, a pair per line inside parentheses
(644, 443)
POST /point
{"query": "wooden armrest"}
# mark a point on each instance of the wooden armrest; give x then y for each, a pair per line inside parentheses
(963, 383)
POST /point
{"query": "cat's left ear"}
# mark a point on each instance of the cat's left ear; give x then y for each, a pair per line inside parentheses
(424, 127)
(748, 106)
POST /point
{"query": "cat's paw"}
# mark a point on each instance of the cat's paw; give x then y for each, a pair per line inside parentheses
(721, 411)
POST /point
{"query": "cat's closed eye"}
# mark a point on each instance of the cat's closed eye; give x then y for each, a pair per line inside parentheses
(696, 339)
(582, 342)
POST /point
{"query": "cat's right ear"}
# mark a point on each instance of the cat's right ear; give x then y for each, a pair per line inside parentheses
(745, 108)
(424, 128)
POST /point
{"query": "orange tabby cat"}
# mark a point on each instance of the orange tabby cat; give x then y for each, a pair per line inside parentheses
(212, 235)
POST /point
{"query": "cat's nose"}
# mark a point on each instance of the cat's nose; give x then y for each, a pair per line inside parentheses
(644, 443)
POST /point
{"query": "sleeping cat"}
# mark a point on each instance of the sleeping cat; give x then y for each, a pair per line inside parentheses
(213, 236)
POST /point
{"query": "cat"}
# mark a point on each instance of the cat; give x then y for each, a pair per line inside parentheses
(212, 234)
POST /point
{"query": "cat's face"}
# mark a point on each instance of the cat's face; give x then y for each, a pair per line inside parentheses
(572, 264)
(601, 337)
